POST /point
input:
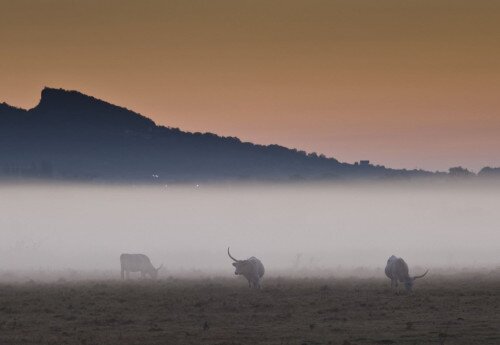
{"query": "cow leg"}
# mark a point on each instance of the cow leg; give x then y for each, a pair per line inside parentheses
(142, 275)
(123, 274)
(394, 286)
(127, 274)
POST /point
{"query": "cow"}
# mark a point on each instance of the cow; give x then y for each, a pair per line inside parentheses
(138, 263)
(252, 269)
(397, 271)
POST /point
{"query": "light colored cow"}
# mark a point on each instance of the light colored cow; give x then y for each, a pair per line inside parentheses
(397, 271)
(138, 263)
(252, 269)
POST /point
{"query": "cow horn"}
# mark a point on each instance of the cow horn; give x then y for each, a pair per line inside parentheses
(228, 253)
(420, 276)
(159, 268)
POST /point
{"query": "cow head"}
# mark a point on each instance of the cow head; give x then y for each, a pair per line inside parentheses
(239, 265)
(154, 272)
(409, 282)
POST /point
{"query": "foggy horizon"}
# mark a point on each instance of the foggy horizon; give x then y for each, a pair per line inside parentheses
(315, 228)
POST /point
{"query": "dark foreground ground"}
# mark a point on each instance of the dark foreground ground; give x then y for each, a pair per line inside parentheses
(455, 310)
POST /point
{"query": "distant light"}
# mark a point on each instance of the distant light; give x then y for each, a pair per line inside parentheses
(197, 185)
(155, 176)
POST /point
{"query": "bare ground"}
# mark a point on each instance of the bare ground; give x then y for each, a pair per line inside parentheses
(442, 310)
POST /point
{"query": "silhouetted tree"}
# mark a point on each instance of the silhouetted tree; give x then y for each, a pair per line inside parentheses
(489, 172)
(460, 172)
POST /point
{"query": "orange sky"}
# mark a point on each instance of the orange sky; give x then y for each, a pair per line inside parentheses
(405, 83)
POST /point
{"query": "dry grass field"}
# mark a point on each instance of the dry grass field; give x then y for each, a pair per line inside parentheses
(442, 310)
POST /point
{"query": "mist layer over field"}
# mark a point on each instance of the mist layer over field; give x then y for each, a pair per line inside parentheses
(293, 229)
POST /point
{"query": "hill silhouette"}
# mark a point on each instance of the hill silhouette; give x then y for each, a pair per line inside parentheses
(69, 135)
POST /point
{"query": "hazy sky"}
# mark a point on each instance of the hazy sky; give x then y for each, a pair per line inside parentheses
(403, 83)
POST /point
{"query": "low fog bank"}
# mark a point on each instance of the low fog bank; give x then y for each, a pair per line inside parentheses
(226, 276)
(79, 231)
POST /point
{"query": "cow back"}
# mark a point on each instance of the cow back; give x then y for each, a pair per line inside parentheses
(135, 262)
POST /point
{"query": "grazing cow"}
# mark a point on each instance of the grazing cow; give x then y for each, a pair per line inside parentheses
(252, 269)
(138, 263)
(397, 270)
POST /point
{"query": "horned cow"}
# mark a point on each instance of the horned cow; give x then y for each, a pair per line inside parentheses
(138, 263)
(397, 271)
(252, 269)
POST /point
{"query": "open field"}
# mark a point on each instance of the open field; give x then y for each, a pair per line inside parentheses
(442, 310)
